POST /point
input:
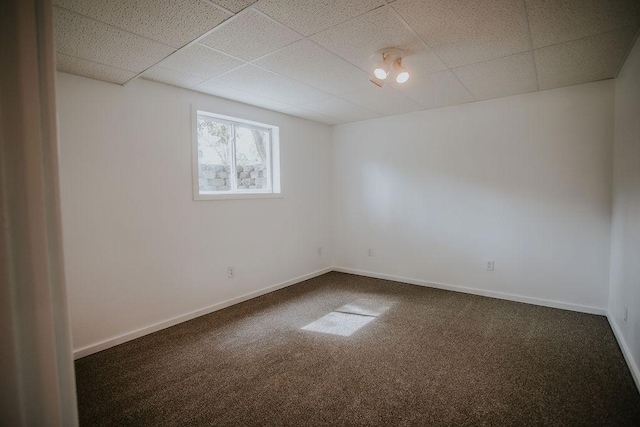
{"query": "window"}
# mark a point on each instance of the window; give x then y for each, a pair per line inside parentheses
(234, 158)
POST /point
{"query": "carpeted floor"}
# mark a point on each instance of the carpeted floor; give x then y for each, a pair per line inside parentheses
(421, 356)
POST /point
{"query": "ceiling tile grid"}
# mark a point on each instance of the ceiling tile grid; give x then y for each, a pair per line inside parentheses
(553, 22)
(86, 38)
(200, 61)
(584, 60)
(500, 77)
(222, 91)
(385, 101)
(311, 115)
(172, 77)
(356, 40)
(311, 16)
(436, 90)
(313, 65)
(340, 109)
(238, 36)
(464, 32)
(312, 58)
(72, 65)
(166, 21)
(261, 82)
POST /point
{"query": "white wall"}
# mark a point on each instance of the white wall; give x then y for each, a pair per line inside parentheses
(138, 249)
(524, 181)
(625, 235)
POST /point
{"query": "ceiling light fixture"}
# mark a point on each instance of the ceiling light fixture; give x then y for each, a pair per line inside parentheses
(388, 62)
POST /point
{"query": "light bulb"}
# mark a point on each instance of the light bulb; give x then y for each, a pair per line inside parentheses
(381, 70)
(380, 73)
(402, 77)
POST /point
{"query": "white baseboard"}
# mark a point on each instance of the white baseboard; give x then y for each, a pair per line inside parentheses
(631, 363)
(103, 345)
(475, 291)
(111, 342)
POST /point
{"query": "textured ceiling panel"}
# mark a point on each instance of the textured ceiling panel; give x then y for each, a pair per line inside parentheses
(311, 16)
(506, 76)
(200, 61)
(269, 85)
(457, 50)
(311, 64)
(464, 32)
(176, 78)
(385, 101)
(358, 39)
(250, 36)
(81, 67)
(234, 5)
(557, 21)
(584, 60)
(216, 89)
(436, 90)
(174, 23)
(340, 109)
(88, 39)
(311, 115)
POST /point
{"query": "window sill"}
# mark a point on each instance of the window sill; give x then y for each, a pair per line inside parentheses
(236, 196)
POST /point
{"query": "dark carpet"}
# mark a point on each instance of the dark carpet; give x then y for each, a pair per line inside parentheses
(424, 357)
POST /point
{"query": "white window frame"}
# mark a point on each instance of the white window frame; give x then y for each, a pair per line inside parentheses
(273, 189)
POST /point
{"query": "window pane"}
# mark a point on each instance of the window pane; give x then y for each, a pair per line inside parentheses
(252, 148)
(214, 155)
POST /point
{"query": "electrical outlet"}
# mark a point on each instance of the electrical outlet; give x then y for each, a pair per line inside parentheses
(370, 252)
(231, 272)
(319, 250)
(489, 265)
(626, 313)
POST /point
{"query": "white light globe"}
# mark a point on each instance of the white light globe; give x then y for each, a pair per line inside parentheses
(380, 73)
(402, 77)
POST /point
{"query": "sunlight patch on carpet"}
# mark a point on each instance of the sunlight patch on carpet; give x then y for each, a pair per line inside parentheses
(335, 323)
(367, 307)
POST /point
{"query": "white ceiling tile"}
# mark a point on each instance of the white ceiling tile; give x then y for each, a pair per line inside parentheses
(500, 77)
(340, 109)
(221, 91)
(356, 40)
(234, 5)
(88, 39)
(584, 60)
(436, 90)
(311, 64)
(385, 100)
(464, 32)
(557, 21)
(200, 61)
(176, 78)
(311, 16)
(174, 23)
(269, 85)
(250, 35)
(311, 115)
(81, 67)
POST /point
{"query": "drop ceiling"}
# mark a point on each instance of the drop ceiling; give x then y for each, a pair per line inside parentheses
(311, 58)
